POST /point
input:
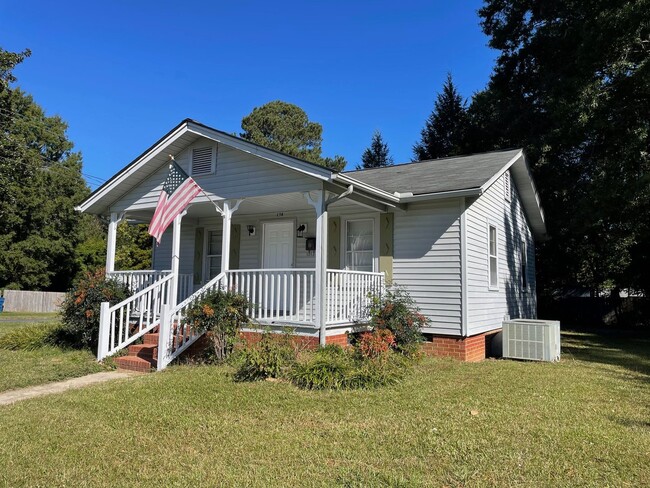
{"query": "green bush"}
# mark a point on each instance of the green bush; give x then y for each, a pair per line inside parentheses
(271, 357)
(397, 312)
(81, 308)
(333, 368)
(30, 338)
(220, 314)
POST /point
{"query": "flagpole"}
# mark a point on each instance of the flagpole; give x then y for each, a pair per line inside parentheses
(171, 158)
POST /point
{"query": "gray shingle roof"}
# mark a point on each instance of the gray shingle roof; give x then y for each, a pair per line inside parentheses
(437, 175)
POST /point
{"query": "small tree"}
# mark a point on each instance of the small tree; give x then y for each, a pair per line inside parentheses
(81, 308)
(377, 155)
(397, 312)
(445, 130)
(220, 314)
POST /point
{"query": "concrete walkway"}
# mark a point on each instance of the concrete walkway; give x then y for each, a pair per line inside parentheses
(13, 396)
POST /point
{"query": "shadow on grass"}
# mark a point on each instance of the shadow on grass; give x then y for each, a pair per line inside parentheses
(623, 348)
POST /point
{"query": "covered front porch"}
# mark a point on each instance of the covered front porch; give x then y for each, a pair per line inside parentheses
(306, 260)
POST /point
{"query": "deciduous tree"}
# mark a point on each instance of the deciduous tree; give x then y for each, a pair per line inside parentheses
(40, 184)
(572, 86)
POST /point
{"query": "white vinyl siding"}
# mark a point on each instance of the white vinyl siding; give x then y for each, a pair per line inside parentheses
(359, 244)
(426, 262)
(487, 308)
(237, 175)
(250, 247)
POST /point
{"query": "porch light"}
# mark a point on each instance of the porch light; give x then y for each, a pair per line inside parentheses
(251, 230)
(301, 228)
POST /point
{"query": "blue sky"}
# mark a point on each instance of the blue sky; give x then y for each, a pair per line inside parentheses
(122, 73)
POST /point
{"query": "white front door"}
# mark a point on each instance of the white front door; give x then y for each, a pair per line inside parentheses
(277, 254)
(278, 245)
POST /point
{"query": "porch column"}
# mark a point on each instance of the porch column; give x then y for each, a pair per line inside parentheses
(320, 205)
(112, 240)
(176, 258)
(229, 208)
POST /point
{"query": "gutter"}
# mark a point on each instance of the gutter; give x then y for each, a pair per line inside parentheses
(409, 197)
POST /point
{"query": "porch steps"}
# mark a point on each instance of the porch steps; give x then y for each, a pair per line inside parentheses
(143, 357)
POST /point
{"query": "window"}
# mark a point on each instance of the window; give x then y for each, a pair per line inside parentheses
(493, 257)
(203, 161)
(213, 254)
(507, 190)
(524, 266)
(359, 251)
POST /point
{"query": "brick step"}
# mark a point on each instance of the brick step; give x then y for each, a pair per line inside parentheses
(135, 363)
(150, 339)
(144, 350)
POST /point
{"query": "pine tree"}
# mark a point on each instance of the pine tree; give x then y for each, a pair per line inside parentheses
(286, 127)
(377, 155)
(445, 129)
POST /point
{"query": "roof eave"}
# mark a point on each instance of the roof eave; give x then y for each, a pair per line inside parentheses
(529, 195)
(465, 192)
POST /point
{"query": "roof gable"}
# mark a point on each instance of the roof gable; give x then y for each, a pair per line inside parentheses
(458, 176)
(176, 140)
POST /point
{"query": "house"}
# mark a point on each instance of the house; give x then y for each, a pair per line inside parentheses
(307, 245)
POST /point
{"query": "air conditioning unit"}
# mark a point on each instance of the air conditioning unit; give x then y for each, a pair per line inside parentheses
(537, 340)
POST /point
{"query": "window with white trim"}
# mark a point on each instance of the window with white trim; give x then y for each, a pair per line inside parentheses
(493, 261)
(524, 266)
(359, 246)
(203, 161)
(213, 253)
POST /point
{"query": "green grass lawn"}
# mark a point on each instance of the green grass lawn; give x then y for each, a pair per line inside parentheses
(19, 369)
(582, 422)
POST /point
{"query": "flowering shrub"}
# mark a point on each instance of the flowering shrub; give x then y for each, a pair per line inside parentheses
(376, 344)
(220, 314)
(80, 309)
(396, 311)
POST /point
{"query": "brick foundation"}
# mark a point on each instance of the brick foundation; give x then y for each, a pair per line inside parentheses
(304, 342)
(469, 349)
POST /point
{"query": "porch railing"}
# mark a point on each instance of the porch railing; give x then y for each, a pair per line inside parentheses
(348, 295)
(175, 333)
(123, 323)
(140, 279)
(278, 295)
(137, 280)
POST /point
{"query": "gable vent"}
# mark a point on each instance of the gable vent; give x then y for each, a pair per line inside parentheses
(506, 186)
(202, 161)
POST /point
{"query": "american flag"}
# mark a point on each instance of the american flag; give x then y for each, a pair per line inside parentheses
(177, 192)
